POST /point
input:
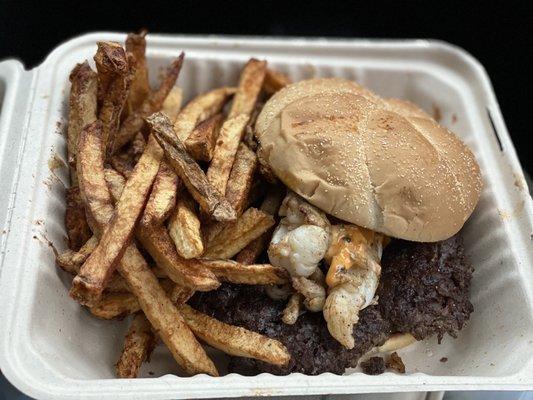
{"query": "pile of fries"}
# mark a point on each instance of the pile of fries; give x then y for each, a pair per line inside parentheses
(161, 204)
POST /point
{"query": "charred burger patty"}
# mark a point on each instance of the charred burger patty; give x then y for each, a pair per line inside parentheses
(424, 290)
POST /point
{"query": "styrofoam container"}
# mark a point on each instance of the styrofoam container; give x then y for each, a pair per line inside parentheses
(50, 347)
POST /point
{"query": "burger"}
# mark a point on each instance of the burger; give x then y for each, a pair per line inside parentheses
(369, 229)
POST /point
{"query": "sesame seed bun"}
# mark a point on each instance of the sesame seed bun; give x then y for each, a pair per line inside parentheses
(383, 164)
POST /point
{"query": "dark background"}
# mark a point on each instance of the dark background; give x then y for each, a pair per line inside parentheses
(498, 35)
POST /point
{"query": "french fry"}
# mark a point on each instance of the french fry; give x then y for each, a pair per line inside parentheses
(78, 230)
(164, 316)
(110, 59)
(82, 110)
(274, 81)
(115, 183)
(71, 261)
(143, 283)
(201, 108)
(234, 340)
(180, 294)
(188, 273)
(184, 228)
(115, 306)
(113, 67)
(235, 237)
(138, 346)
(88, 285)
(157, 242)
(172, 104)
(250, 83)
(224, 152)
(254, 274)
(202, 140)
(241, 178)
(140, 87)
(270, 205)
(93, 190)
(135, 121)
(188, 170)
(162, 198)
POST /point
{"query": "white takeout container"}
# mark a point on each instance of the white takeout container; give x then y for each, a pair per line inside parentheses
(51, 348)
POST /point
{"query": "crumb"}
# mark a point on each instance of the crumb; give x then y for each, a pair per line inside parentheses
(454, 118)
(373, 366)
(492, 365)
(395, 363)
(151, 373)
(443, 359)
(437, 115)
(35, 237)
(518, 181)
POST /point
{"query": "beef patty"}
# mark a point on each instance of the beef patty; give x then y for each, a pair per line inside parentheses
(423, 290)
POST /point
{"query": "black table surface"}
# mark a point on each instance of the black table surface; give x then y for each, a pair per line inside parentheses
(498, 34)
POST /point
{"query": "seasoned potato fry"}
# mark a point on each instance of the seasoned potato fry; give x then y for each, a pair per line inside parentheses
(226, 146)
(93, 190)
(241, 178)
(135, 121)
(115, 183)
(172, 104)
(118, 74)
(110, 59)
(184, 228)
(254, 274)
(82, 110)
(115, 306)
(71, 261)
(162, 198)
(234, 340)
(78, 230)
(250, 83)
(201, 142)
(188, 273)
(235, 237)
(88, 285)
(140, 87)
(139, 277)
(292, 310)
(274, 81)
(138, 346)
(188, 170)
(180, 294)
(164, 316)
(201, 108)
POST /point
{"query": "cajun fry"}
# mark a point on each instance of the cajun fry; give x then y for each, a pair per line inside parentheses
(184, 228)
(188, 170)
(274, 81)
(201, 108)
(114, 69)
(140, 87)
(88, 285)
(71, 261)
(202, 140)
(235, 237)
(188, 273)
(115, 306)
(164, 316)
(82, 110)
(292, 310)
(241, 177)
(138, 346)
(250, 83)
(115, 183)
(162, 198)
(135, 121)
(234, 340)
(180, 294)
(224, 152)
(254, 274)
(78, 230)
(172, 104)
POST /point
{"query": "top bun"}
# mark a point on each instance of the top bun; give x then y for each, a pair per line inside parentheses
(383, 164)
